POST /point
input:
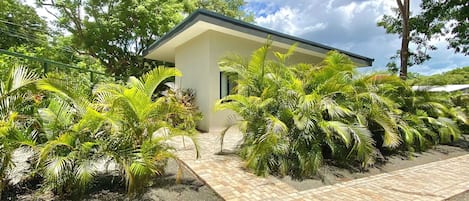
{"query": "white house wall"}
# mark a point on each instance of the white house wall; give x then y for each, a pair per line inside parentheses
(192, 59)
(198, 60)
(222, 45)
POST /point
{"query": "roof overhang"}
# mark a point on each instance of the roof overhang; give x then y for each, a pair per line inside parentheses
(202, 20)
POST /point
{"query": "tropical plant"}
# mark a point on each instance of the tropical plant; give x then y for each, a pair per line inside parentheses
(292, 122)
(294, 117)
(67, 157)
(189, 115)
(13, 126)
(422, 119)
(140, 122)
(117, 33)
(125, 125)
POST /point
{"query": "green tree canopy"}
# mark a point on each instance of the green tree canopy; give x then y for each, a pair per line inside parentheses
(20, 25)
(117, 32)
(448, 18)
(229, 8)
(456, 76)
(438, 19)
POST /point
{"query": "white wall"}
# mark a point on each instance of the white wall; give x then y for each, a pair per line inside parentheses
(198, 61)
(192, 59)
(222, 45)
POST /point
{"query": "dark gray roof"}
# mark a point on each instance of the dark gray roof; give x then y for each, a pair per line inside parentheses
(238, 25)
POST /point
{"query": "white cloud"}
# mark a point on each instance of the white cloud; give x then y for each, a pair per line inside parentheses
(348, 25)
(287, 20)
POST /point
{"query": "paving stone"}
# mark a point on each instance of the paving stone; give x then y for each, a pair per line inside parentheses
(226, 174)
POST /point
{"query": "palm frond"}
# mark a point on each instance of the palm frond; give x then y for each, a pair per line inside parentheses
(448, 130)
(334, 110)
(338, 129)
(153, 78)
(85, 173)
(363, 144)
(62, 90)
(390, 138)
(19, 77)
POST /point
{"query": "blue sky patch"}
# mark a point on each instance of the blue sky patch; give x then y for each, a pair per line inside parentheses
(349, 25)
(261, 9)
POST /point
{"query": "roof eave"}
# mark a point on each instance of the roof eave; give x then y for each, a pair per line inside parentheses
(197, 15)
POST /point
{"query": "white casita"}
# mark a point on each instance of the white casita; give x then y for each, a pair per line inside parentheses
(197, 44)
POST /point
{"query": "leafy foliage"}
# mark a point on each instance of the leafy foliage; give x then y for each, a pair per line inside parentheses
(20, 25)
(230, 8)
(437, 19)
(446, 18)
(456, 76)
(14, 92)
(296, 117)
(117, 32)
(125, 125)
(456, 99)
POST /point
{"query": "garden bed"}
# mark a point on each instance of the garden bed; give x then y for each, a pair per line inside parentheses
(460, 197)
(109, 188)
(165, 187)
(332, 174)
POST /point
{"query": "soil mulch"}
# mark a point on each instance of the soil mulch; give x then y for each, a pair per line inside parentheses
(112, 188)
(165, 187)
(330, 174)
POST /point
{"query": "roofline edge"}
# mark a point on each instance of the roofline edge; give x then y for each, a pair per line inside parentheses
(190, 20)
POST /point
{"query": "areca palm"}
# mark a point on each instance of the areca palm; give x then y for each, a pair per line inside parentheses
(296, 116)
(143, 122)
(69, 162)
(15, 89)
(13, 132)
(127, 125)
(67, 156)
(12, 137)
(292, 122)
(423, 119)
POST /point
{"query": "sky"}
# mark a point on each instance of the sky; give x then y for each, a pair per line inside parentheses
(348, 25)
(344, 24)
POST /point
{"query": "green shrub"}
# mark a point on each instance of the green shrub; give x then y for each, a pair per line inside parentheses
(15, 93)
(123, 124)
(296, 116)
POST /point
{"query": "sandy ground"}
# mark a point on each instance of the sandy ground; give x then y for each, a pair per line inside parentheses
(332, 175)
(164, 188)
(461, 197)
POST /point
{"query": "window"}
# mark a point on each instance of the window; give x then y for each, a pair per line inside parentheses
(227, 85)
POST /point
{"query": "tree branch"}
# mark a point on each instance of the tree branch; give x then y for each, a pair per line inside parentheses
(401, 6)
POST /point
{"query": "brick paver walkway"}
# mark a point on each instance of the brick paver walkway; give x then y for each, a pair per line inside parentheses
(225, 174)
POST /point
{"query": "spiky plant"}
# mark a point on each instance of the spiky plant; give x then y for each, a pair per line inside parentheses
(292, 122)
(423, 118)
(127, 125)
(142, 123)
(14, 93)
(296, 116)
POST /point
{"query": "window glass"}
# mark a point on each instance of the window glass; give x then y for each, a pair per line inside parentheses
(227, 85)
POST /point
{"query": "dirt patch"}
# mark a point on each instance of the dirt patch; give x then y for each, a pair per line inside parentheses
(165, 187)
(112, 189)
(331, 175)
(460, 197)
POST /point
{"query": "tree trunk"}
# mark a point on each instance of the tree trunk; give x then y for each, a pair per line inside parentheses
(2, 186)
(404, 8)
